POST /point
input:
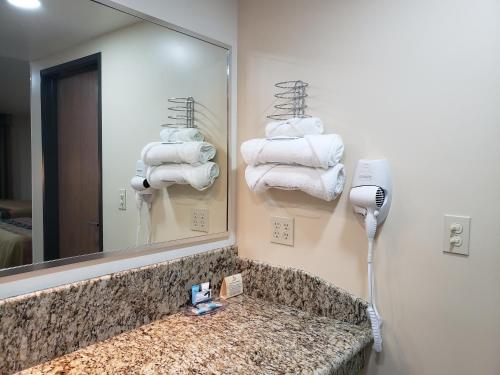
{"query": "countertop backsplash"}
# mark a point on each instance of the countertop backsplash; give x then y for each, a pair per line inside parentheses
(301, 290)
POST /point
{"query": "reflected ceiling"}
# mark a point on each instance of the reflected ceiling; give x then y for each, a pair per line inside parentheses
(61, 22)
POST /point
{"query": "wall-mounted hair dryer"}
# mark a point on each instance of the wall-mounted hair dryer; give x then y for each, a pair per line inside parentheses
(370, 195)
(144, 193)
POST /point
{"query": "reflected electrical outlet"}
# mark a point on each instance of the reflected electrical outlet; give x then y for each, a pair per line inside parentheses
(123, 200)
(199, 220)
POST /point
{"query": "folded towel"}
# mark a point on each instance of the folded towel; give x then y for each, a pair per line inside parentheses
(194, 153)
(320, 183)
(200, 177)
(319, 151)
(181, 135)
(294, 127)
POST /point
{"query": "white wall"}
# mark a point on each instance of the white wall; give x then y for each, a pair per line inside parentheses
(223, 24)
(142, 66)
(217, 19)
(417, 82)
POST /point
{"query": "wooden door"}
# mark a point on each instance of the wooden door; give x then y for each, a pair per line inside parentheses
(78, 164)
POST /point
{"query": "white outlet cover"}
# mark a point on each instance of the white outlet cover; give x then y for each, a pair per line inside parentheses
(464, 235)
(282, 230)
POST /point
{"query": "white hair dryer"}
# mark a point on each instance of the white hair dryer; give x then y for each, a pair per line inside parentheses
(144, 193)
(370, 195)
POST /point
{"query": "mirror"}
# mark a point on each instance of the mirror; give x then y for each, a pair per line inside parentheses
(86, 166)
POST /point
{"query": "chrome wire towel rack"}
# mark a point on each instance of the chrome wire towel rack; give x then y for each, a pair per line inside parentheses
(293, 97)
(183, 116)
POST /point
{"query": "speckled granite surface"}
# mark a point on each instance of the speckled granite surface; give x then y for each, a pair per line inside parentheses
(251, 336)
(297, 288)
(44, 325)
(41, 326)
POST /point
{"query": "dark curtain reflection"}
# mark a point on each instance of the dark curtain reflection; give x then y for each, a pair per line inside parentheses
(5, 123)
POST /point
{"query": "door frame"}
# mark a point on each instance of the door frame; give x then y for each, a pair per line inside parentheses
(50, 158)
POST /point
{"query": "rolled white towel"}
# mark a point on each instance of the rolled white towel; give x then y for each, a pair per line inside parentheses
(320, 183)
(200, 177)
(319, 151)
(194, 153)
(294, 127)
(181, 135)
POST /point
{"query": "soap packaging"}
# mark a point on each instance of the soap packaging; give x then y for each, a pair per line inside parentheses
(201, 300)
(231, 286)
(201, 293)
(205, 308)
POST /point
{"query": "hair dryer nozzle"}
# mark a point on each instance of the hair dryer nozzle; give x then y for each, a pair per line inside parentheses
(369, 197)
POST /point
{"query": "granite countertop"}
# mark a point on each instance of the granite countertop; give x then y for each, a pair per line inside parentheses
(250, 336)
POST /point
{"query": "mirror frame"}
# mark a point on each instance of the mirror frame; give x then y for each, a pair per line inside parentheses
(174, 244)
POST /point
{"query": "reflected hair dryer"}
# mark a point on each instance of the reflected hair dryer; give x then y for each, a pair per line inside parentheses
(144, 193)
(371, 194)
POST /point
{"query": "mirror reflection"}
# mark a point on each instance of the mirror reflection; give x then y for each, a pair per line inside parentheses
(113, 132)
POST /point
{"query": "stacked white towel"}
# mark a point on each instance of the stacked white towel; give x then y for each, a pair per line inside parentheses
(181, 135)
(294, 127)
(319, 151)
(180, 163)
(194, 153)
(182, 158)
(296, 156)
(321, 183)
(200, 177)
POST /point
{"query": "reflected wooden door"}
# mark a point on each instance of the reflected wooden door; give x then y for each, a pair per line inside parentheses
(78, 164)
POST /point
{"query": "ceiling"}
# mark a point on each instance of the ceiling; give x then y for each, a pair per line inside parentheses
(58, 24)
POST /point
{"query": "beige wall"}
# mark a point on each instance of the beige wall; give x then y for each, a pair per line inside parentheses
(142, 66)
(417, 82)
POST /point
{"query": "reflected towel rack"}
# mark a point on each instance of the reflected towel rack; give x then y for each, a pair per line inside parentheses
(184, 113)
(293, 97)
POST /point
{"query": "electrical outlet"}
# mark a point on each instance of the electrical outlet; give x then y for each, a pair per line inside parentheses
(123, 200)
(276, 230)
(199, 220)
(282, 230)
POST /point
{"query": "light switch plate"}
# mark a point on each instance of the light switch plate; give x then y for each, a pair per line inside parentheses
(282, 230)
(199, 220)
(456, 228)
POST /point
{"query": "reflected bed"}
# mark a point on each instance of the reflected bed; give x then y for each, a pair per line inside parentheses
(15, 242)
(10, 208)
